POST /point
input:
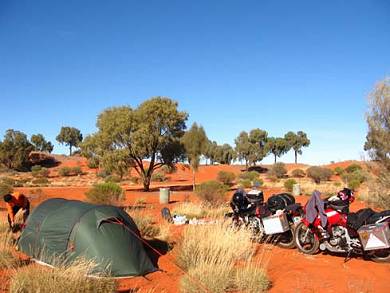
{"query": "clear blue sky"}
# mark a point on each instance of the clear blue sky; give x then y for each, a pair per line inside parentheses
(232, 65)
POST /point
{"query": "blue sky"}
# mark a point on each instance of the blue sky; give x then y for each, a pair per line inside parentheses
(232, 65)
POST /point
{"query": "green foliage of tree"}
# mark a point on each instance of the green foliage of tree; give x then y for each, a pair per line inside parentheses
(150, 132)
(117, 162)
(195, 144)
(211, 151)
(69, 136)
(225, 154)
(339, 170)
(277, 146)
(243, 147)
(353, 167)
(40, 144)
(297, 141)
(14, 150)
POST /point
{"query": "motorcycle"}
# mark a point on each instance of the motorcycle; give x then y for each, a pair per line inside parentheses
(343, 234)
(273, 221)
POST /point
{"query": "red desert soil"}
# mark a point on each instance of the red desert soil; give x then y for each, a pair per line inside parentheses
(289, 270)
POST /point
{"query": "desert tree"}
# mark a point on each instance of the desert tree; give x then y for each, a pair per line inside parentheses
(243, 147)
(149, 134)
(41, 144)
(15, 150)
(277, 146)
(297, 141)
(70, 136)
(211, 151)
(195, 145)
(258, 139)
(225, 154)
(378, 141)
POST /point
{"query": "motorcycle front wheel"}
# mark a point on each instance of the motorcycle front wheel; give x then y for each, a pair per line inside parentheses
(286, 239)
(305, 239)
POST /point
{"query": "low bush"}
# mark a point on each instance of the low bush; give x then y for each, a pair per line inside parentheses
(245, 183)
(226, 177)
(144, 222)
(257, 182)
(353, 167)
(5, 189)
(168, 169)
(70, 171)
(103, 173)
(338, 171)
(354, 179)
(298, 173)
(38, 172)
(40, 181)
(105, 193)
(249, 175)
(203, 210)
(158, 177)
(278, 170)
(112, 178)
(61, 279)
(93, 163)
(212, 192)
(289, 184)
(319, 174)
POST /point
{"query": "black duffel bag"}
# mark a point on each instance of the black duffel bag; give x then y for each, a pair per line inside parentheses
(279, 201)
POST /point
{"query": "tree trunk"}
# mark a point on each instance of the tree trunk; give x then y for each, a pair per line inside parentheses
(70, 150)
(296, 157)
(193, 179)
(246, 165)
(146, 182)
(275, 159)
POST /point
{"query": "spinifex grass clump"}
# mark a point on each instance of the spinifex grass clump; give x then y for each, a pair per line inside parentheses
(210, 254)
(202, 210)
(63, 278)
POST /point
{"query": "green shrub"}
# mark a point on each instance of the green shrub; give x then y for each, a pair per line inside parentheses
(250, 175)
(298, 173)
(278, 170)
(105, 193)
(212, 192)
(353, 167)
(338, 171)
(289, 183)
(354, 184)
(257, 182)
(158, 177)
(226, 177)
(319, 174)
(112, 178)
(70, 171)
(354, 179)
(38, 171)
(40, 181)
(93, 163)
(103, 174)
(245, 183)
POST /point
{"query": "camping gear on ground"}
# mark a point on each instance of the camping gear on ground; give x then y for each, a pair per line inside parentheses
(342, 235)
(60, 230)
(166, 215)
(180, 220)
(296, 189)
(255, 212)
(164, 195)
(376, 236)
(276, 224)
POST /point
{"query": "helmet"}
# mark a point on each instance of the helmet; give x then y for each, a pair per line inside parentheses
(346, 194)
(239, 198)
(7, 197)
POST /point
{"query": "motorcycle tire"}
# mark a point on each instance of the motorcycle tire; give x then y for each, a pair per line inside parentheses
(286, 239)
(311, 244)
(383, 256)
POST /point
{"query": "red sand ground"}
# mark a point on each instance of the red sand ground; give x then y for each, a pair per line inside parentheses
(288, 270)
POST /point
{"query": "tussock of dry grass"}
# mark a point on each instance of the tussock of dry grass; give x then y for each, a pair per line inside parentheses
(144, 222)
(203, 210)
(72, 278)
(210, 253)
(219, 242)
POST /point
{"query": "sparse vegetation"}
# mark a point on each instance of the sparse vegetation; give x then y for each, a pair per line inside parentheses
(159, 177)
(70, 171)
(105, 193)
(338, 171)
(250, 175)
(245, 183)
(43, 181)
(38, 171)
(63, 278)
(353, 167)
(278, 170)
(5, 189)
(289, 184)
(298, 173)
(319, 174)
(204, 210)
(226, 177)
(212, 192)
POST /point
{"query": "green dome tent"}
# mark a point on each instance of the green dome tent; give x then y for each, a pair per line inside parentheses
(69, 229)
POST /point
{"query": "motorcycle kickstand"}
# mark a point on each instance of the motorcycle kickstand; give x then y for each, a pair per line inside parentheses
(347, 258)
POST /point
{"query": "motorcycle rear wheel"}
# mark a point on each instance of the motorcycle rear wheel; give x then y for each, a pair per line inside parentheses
(382, 255)
(309, 245)
(286, 239)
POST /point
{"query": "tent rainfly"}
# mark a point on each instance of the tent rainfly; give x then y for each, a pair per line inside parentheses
(65, 230)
